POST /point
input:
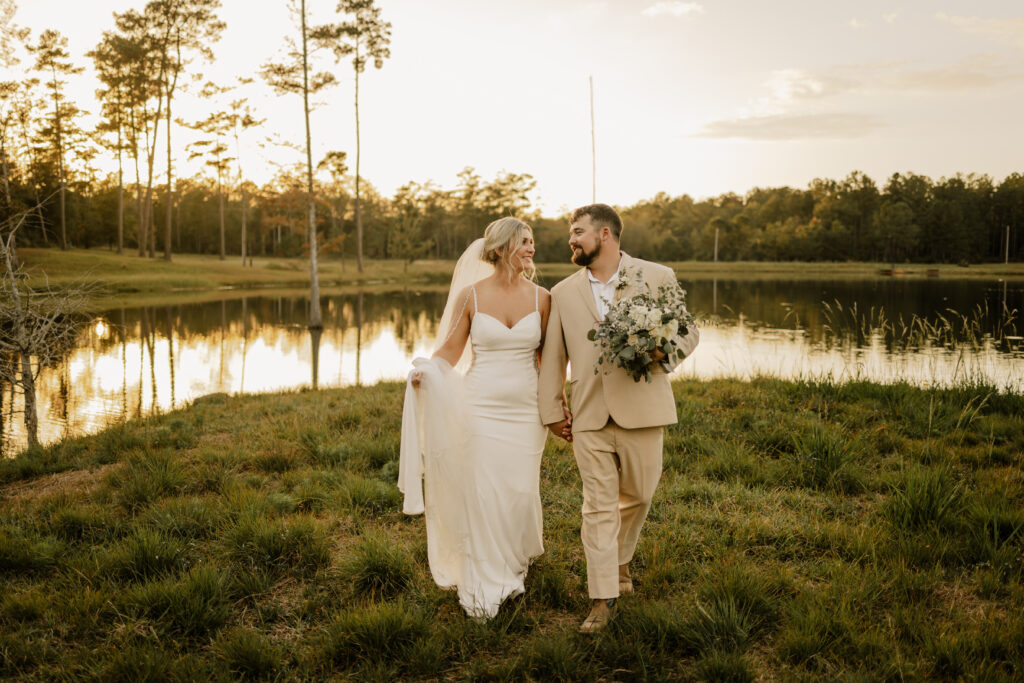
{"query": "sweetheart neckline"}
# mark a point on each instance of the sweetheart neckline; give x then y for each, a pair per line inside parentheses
(503, 324)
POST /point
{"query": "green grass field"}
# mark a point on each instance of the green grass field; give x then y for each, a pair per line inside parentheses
(801, 531)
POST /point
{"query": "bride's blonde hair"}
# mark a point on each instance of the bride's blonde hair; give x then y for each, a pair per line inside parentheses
(506, 235)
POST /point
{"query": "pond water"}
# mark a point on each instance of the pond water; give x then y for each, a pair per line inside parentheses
(135, 361)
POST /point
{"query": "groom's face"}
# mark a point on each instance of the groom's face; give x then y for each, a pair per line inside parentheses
(584, 241)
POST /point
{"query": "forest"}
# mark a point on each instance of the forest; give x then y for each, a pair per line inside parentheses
(50, 163)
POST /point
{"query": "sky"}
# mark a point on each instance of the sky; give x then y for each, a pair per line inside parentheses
(696, 97)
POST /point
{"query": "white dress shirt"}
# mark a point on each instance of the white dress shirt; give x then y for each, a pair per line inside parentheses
(604, 292)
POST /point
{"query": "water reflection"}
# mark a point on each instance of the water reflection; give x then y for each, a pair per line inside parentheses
(132, 362)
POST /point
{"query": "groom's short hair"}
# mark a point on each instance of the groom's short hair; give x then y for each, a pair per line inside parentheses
(601, 215)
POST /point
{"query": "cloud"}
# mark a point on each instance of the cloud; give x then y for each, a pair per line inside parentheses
(790, 86)
(891, 17)
(778, 127)
(674, 8)
(856, 24)
(974, 73)
(797, 101)
(980, 72)
(1005, 30)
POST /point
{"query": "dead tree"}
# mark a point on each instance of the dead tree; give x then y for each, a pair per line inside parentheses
(39, 325)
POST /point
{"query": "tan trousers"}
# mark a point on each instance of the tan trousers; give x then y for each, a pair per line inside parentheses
(620, 469)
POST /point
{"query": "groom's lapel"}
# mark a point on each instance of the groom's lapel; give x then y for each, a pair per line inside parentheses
(627, 275)
(584, 290)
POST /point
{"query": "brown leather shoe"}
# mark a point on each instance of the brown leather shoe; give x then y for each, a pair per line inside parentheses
(625, 580)
(601, 613)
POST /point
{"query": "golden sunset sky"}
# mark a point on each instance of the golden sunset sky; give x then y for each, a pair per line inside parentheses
(700, 97)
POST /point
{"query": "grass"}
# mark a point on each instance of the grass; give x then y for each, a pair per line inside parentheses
(802, 530)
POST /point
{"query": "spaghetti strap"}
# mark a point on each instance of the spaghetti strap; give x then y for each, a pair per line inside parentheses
(475, 309)
(536, 297)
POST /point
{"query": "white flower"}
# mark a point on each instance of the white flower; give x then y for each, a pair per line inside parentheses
(632, 340)
(668, 330)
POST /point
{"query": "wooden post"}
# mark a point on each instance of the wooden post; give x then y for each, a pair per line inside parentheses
(1007, 260)
(716, 244)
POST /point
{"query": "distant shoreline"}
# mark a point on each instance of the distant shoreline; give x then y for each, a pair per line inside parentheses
(130, 280)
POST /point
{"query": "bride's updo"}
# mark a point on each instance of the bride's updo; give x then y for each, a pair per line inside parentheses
(502, 239)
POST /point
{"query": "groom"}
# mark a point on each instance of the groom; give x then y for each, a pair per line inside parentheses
(616, 423)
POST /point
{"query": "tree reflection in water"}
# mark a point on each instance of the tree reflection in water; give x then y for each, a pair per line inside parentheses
(261, 343)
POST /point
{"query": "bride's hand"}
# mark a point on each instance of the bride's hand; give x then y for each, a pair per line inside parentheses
(415, 377)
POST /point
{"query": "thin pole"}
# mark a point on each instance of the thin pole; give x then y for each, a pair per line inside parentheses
(593, 147)
(1007, 260)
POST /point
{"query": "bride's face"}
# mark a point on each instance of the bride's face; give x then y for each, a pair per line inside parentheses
(522, 259)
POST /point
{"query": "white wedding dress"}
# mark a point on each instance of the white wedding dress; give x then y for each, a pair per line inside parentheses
(481, 494)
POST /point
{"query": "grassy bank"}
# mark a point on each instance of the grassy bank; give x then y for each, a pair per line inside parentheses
(140, 281)
(801, 531)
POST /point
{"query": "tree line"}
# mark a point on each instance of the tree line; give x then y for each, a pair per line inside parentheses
(322, 206)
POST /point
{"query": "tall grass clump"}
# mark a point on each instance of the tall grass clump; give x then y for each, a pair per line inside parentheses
(375, 633)
(296, 546)
(85, 523)
(371, 496)
(723, 667)
(21, 553)
(193, 605)
(322, 453)
(924, 496)
(556, 658)
(824, 459)
(377, 569)
(144, 554)
(191, 518)
(146, 477)
(249, 654)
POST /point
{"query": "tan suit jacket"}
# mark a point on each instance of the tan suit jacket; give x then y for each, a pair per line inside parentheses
(611, 392)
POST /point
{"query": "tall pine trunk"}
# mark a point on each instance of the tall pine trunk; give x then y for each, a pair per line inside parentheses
(120, 185)
(245, 236)
(220, 204)
(315, 319)
(359, 215)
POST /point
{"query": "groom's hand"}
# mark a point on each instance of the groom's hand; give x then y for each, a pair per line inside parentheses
(563, 429)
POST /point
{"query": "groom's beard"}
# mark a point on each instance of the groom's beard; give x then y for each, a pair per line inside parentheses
(581, 257)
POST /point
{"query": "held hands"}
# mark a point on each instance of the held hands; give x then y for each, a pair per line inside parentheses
(415, 377)
(563, 429)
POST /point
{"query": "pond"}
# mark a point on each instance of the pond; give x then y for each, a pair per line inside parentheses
(134, 361)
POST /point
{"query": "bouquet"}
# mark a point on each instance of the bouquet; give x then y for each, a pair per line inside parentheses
(637, 326)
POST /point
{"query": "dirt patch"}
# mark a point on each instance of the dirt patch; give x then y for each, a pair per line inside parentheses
(73, 481)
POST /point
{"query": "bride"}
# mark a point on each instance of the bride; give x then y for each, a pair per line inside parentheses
(471, 428)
